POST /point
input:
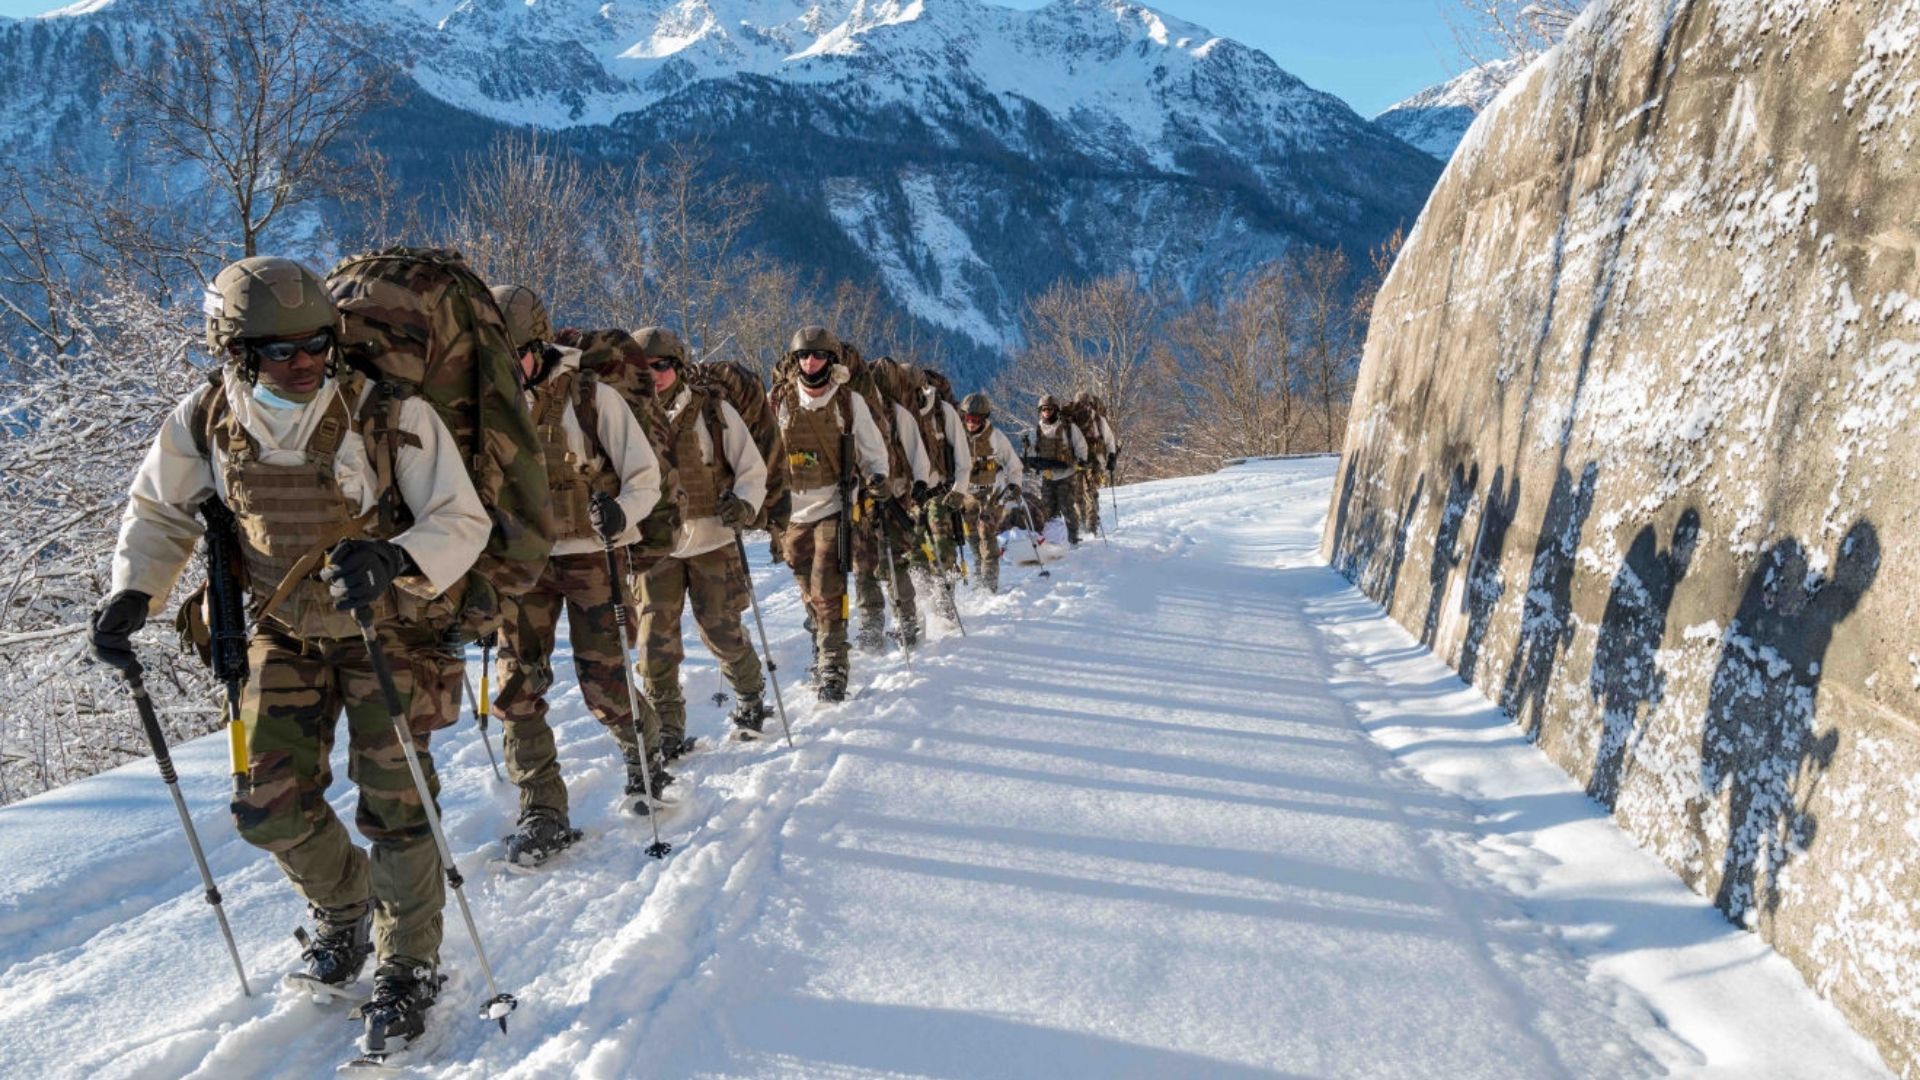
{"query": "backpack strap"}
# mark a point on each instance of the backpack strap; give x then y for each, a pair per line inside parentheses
(200, 420)
(586, 410)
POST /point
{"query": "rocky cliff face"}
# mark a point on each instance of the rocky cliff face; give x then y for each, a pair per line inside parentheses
(1633, 448)
(962, 154)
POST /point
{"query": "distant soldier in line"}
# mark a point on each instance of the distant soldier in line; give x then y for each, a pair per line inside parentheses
(604, 480)
(725, 480)
(321, 468)
(870, 564)
(1103, 449)
(815, 410)
(953, 464)
(1059, 453)
(994, 476)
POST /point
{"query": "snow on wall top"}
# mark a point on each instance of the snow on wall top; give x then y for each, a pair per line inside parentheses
(1632, 447)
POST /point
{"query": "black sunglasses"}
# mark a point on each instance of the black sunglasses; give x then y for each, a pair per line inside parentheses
(279, 352)
(815, 354)
(662, 364)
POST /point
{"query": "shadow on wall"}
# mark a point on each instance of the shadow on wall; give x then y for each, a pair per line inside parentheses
(1626, 677)
(1484, 584)
(1757, 742)
(1460, 488)
(1546, 624)
(1400, 542)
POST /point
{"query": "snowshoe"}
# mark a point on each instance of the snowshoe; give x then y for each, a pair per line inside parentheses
(673, 749)
(396, 1018)
(540, 835)
(749, 718)
(334, 957)
(832, 686)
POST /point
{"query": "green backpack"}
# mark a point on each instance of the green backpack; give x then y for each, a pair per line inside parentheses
(427, 324)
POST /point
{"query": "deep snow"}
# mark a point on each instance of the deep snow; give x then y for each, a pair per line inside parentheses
(1191, 807)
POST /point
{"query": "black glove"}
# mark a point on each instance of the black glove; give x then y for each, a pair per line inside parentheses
(734, 512)
(606, 517)
(114, 623)
(877, 486)
(941, 489)
(358, 572)
(1112, 456)
(921, 492)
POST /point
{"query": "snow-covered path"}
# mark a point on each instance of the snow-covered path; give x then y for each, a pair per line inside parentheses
(1191, 807)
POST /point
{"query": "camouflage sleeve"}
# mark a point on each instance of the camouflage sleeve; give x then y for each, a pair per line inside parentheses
(450, 524)
(158, 530)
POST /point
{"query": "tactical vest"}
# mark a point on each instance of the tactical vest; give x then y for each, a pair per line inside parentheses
(289, 516)
(1057, 446)
(933, 435)
(985, 465)
(812, 438)
(699, 479)
(572, 479)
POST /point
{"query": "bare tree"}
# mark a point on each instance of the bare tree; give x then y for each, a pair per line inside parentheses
(1327, 334)
(1099, 336)
(675, 244)
(1491, 30)
(525, 212)
(382, 211)
(253, 93)
(1237, 368)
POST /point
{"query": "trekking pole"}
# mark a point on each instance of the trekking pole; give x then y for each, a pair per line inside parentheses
(480, 717)
(659, 849)
(499, 1005)
(740, 545)
(136, 683)
(1113, 488)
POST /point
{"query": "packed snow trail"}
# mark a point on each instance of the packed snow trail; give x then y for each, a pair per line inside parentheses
(1192, 807)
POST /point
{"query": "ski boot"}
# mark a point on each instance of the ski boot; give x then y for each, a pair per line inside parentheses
(639, 799)
(334, 954)
(908, 632)
(675, 747)
(749, 717)
(397, 1015)
(540, 835)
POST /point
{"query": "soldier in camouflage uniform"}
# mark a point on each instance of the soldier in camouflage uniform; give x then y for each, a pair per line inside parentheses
(815, 409)
(993, 478)
(724, 490)
(873, 566)
(310, 457)
(945, 434)
(1103, 447)
(603, 475)
(1059, 453)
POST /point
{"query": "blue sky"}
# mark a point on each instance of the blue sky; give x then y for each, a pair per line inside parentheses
(1371, 53)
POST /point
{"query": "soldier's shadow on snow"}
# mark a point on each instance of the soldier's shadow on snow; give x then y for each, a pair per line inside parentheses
(912, 1040)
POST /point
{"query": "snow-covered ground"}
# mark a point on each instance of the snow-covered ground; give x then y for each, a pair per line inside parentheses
(1191, 807)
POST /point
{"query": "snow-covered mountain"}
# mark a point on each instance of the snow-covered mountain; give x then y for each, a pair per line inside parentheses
(1437, 118)
(965, 154)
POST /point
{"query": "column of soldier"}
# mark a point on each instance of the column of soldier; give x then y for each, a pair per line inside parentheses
(349, 457)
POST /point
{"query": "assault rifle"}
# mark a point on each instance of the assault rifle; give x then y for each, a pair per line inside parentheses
(227, 626)
(849, 500)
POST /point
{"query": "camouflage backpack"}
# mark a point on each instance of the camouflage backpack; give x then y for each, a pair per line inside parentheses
(1086, 416)
(427, 325)
(614, 357)
(902, 384)
(740, 387)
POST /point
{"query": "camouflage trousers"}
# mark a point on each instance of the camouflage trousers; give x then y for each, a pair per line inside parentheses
(581, 585)
(872, 580)
(812, 551)
(980, 522)
(290, 709)
(1087, 485)
(1059, 499)
(939, 529)
(716, 584)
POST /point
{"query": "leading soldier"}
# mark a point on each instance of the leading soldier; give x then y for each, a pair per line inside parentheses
(603, 476)
(318, 461)
(1059, 453)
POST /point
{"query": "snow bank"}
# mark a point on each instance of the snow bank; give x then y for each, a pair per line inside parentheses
(1632, 449)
